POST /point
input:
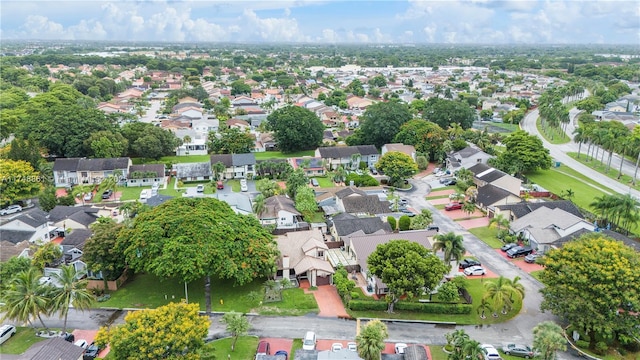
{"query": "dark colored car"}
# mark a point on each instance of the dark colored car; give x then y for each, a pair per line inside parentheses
(69, 337)
(453, 206)
(107, 194)
(508, 246)
(450, 182)
(91, 352)
(468, 263)
(433, 227)
(519, 251)
(282, 353)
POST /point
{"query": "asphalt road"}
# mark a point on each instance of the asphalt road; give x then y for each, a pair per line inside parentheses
(559, 153)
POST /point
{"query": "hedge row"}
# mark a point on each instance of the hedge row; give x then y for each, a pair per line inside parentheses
(429, 308)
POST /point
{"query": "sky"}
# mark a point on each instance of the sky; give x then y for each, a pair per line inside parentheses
(327, 22)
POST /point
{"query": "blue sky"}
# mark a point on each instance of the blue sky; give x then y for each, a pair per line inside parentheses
(327, 22)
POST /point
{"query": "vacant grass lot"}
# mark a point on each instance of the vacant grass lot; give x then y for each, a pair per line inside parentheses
(294, 303)
(21, 341)
(488, 236)
(476, 290)
(221, 349)
(279, 155)
(556, 181)
(599, 167)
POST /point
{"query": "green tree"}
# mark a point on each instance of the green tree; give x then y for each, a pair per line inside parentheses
(26, 150)
(47, 199)
(71, 290)
(267, 187)
(425, 136)
(499, 221)
(295, 128)
(25, 298)
(548, 339)
(448, 292)
(237, 325)
(101, 252)
(239, 87)
(397, 166)
(305, 201)
(149, 141)
(380, 123)
(523, 153)
(371, 340)
(588, 280)
(503, 293)
(231, 141)
(194, 238)
(295, 180)
(106, 144)
(258, 205)
(393, 223)
(404, 223)
(407, 268)
(422, 220)
(18, 180)
(451, 245)
(11, 267)
(447, 112)
(218, 170)
(46, 254)
(172, 331)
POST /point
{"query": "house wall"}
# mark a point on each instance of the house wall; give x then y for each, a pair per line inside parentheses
(574, 228)
(285, 220)
(145, 182)
(511, 199)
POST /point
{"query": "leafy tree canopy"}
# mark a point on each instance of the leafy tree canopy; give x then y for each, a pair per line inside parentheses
(397, 166)
(382, 121)
(523, 153)
(18, 180)
(593, 283)
(446, 112)
(295, 129)
(231, 141)
(425, 136)
(100, 251)
(148, 141)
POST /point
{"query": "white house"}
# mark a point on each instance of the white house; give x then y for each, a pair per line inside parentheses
(72, 171)
(281, 211)
(303, 257)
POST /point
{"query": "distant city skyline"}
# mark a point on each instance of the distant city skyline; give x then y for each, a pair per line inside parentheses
(326, 22)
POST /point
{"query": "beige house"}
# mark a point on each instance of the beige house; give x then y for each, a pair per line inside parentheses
(485, 174)
(402, 148)
(303, 257)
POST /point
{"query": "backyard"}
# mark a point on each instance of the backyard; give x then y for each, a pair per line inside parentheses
(266, 155)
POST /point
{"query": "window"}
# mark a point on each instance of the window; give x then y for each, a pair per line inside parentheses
(283, 219)
(321, 253)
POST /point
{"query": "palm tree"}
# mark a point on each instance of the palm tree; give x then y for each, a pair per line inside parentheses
(472, 350)
(548, 339)
(26, 298)
(258, 205)
(499, 221)
(624, 143)
(218, 170)
(371, 340)
(469, 207)
(502, 293)
(484, 306)
(71, 291)
(451, 245)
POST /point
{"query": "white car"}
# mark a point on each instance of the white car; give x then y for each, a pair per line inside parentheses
(400, 347)
(352, 346)
(243, 185)
(11, 209)
(336, 347)
(490, 352)
(81, 343)
(6, 331)
(88, 196)
(474, 270)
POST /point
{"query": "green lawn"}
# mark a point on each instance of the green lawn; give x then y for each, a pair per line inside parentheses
(536, 274)
(509, 127)
(170, 190)
(553, 135)
(297, 345)
(437, 197)
(21, 341)
(476, 290)
(599, 167)
(488, 236)
(294, 303)
(556, 181)
(221, 349)
(172, 159)
(279, 155)
(235, 185)
(437, 353)
(325, 182)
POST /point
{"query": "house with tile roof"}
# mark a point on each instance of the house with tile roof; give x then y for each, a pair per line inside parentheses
(72, 171)
(543, 226)
(312, 166)
(55, 348)
(344, 155)
(9, 249)
(192, 171)
(237, 166)
(75, 217)
(280, 211)
(402, 148)
(355, 201)
(302, 256)
(490, 196)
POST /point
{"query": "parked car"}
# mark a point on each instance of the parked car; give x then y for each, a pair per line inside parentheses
(490, 352)
(408, 212)
(336, 347)
(532, 258)
(11, 209)
(107, 194)
(444, 179)
(519, 251)
(352, 346)
(200, 188)
(450, 182)
(91, 352)
(81, 343)
(518, 350)
(433, 227)
(309, 341)
(282, 353)
(315, 182)
(453, 206)
(374, 171)
(6, 331)
(219, 185)
(243, 185)
(263, 349)
(88, 196)
(466, 263)
(508, 246)
(474, 271)
(400, 348)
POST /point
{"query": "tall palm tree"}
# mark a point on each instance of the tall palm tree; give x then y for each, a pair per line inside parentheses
(71, 291)
(26, 298)
(499, 221)
(258, 205)
(469, 207)
(503, 293)
(451, 245)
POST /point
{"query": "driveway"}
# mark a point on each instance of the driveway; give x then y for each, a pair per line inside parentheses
(329, 302)
(280, 344)
(474, 223)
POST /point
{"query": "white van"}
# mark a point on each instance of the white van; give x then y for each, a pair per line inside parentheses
(144, 195)
(6, 331)
(309, 342)
(154, 189)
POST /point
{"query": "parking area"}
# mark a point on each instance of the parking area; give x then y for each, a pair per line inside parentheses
(279, 344)
(459, 214)
(519, 262)
(89, 336)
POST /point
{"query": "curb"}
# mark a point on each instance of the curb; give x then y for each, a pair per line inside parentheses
(412, 321)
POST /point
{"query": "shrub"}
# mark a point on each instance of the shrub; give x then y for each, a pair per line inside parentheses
(582, 344)
(362, 305)
(404, 223)
(392, 222)
(434, 308)
(355, 295)
(601, 347)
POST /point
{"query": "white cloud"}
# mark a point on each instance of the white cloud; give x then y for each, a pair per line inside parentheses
(40, 27)
(430, 32)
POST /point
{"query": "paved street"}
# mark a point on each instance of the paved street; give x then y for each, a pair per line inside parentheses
(558, 152)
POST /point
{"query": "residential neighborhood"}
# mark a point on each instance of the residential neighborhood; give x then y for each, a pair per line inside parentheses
(225, 197)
